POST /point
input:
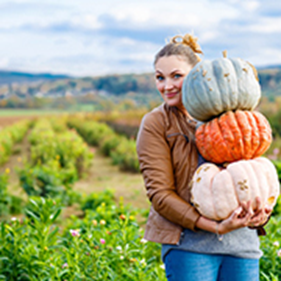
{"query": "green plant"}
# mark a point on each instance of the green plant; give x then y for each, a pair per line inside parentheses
(270, 263)
(125, 156)
(93, 200)
(106, 244)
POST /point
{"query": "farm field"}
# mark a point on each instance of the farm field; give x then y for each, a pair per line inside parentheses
(73, 204)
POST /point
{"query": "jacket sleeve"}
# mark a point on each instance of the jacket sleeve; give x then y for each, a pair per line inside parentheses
(156, 166)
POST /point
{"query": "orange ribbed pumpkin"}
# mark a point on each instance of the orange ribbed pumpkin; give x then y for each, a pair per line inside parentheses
(234, 136)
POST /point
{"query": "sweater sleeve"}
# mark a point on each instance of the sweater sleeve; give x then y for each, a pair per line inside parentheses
(156, 166)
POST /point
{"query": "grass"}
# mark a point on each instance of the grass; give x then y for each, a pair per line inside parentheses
(103, 175)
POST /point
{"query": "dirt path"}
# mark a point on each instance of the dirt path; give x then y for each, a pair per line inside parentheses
(103, 175)
(16, 160)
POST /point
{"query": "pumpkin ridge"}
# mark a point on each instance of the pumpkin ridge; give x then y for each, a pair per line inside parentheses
(208, 145)
(254, 184)
(243, 125)
(235, 147)
(245, 88)
(246, 131)
(200, 142)
(261, 179)
(208, 98)
(215, 144)
(199, 98)
(188, 92)
(235, 93)
(255, 132)
(227, 153)
(193, 98)
(212, 192)
(225, 91)
(233, 182)
(264, 133)
(232, 168)
(240, 102)
(224, 185)
(218, 89)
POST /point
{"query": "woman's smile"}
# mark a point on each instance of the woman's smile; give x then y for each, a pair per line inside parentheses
(171, 94)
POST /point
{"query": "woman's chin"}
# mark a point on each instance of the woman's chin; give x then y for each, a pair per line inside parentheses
(173, 102)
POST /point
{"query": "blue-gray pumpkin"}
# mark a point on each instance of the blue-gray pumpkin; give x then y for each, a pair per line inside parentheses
(214, 87)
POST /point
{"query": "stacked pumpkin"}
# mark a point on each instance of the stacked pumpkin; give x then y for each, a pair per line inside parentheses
(223, 95)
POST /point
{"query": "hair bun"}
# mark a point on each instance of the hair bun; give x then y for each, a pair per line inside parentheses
(189, 41)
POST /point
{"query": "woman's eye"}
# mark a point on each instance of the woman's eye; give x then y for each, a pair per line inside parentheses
(177, 76)
(159, 78)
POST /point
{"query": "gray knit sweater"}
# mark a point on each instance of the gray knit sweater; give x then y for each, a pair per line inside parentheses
(243, 242)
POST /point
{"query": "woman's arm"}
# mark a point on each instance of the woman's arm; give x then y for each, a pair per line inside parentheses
(156, 166)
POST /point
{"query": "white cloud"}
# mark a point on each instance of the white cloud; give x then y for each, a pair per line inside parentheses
(86, 37)
(250, 6)
(267, 25)
(4, 62)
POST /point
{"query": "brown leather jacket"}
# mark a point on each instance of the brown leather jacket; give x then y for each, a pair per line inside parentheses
(168, 158)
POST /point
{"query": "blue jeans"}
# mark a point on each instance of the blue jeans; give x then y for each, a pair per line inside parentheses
(188, 266)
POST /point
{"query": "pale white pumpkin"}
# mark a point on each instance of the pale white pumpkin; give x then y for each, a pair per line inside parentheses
(214, 87)
(217, 192)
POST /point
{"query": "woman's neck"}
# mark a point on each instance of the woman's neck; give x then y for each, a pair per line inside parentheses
(183, 110)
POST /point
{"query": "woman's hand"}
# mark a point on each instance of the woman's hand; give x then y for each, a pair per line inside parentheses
(241, 217)
(261, 214)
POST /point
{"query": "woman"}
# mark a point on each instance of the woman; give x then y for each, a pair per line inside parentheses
(194, 247)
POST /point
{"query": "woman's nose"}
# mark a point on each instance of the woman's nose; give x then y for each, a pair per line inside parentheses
(168, 84)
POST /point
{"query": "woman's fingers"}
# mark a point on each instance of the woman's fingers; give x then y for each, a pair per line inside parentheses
(245, 216)
(261, 214)
(268, 209)
(237, 212)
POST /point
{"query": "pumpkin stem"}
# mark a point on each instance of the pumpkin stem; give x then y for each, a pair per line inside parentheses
(224, 53)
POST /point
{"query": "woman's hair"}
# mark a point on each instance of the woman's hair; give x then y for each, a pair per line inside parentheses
(186, 47)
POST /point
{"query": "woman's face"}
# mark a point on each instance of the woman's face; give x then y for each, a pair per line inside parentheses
(169, 73)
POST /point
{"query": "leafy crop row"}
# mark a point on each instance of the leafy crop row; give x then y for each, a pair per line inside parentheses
(119, 148)
(9, 136)
(57, 160)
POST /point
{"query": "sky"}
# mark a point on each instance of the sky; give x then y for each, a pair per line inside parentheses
(93, 38)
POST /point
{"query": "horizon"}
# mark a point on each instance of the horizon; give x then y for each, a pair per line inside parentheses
(266, 67)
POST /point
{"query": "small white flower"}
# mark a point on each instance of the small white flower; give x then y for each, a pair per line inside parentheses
(162, 266)
(121, 257)
(276, 243)
(14, 219)
(143, 262)
(143, 241)
(119, 248)
(90, 236)
(279, 253)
